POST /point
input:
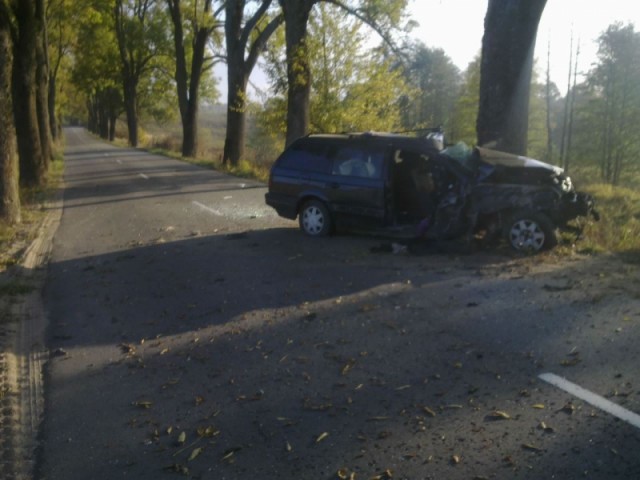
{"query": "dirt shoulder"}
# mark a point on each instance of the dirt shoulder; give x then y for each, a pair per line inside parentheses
(22, 343)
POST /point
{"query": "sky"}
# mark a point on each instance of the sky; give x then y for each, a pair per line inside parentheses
(457, 27)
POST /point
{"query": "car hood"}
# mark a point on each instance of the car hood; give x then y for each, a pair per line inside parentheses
(494, 157)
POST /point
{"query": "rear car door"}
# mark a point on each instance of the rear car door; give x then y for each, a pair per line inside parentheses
(357, 187)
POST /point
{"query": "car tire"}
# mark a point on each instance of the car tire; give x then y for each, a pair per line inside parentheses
(530, 232)
(314, 218)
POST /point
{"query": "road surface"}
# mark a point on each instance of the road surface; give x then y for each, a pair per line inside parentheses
(193, 333)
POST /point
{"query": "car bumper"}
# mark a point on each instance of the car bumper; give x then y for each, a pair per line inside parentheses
(282, 204)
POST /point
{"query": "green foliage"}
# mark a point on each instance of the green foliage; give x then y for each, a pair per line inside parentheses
(435, 83)
(619, 227)
(608, 110)
(462, 125)
(353, 89)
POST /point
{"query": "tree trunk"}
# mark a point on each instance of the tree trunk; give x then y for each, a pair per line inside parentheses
(131, 110)
(510, 29)
(42, 84)
(53, 120)
(9, 191)
(249, 39)
(236, 131)
(32, 165)
(296, 17)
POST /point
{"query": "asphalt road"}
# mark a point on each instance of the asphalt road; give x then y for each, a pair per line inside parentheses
(195, 334)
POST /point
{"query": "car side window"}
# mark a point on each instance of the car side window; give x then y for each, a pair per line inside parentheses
(353, 161)
(310, 157)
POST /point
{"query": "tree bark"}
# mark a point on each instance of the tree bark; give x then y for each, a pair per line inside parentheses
(9, 191)
(510, 29)
(32, 165)
(188, 86)
(42, 84)
(131, 108)
(296, 16)
(240, 68)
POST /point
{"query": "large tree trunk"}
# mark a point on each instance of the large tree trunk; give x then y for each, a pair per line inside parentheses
(236, 115)
(9, 192)
(510, 29)
(296, 17)
(131, 109)
(32, 165)
(188, 86)
(249, 39)
(42, 84)
(53, 120)
(236, 85)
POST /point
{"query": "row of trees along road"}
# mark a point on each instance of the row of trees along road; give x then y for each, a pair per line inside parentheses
(106, 60)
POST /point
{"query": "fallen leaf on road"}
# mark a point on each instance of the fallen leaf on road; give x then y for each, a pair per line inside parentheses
(322, 436)
(195, 453)
(207, 432)
(545, 427)
(428, 411)
(570, 363)
(532, 448)
(143, 404)
(538, 406)
(177, 468)
(498, 415)
(348, 366)
(229, 453)
(182, 438)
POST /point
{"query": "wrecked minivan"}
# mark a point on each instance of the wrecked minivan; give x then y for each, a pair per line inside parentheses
(399, 185)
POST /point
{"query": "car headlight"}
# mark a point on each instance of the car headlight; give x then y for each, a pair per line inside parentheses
(566, 184)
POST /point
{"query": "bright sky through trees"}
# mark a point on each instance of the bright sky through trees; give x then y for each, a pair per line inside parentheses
(457, 26)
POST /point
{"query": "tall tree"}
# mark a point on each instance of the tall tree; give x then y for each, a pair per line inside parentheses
(382, 16)
(97, 71)
(615, 107)
(33, 164)
(9, 194)
(245, 39)
(42, 82)
(191, 63)
(437, 83)
(141, 36)
(510, 29)
(462, 126)
(354, 88)
(61, 16)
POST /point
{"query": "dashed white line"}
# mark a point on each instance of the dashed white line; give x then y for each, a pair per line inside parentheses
(143, 176)
(208, 209)
(596, 400)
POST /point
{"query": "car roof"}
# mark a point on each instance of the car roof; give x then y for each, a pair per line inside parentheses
(383, 137)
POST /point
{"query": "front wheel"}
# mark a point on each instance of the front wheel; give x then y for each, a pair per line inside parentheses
(531, 232)
(314, 219)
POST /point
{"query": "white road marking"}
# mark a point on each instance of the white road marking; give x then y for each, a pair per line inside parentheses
(119, 161)
(143, 176)
(208, 209)
(592, 398)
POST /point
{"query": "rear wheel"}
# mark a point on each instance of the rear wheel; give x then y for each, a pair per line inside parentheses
(531, 232)
(314, 219)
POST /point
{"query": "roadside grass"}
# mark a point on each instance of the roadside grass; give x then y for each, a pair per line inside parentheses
(619, 227)
(15, 238)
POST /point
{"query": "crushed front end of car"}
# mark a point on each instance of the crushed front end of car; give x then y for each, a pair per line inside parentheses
(523, 200)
